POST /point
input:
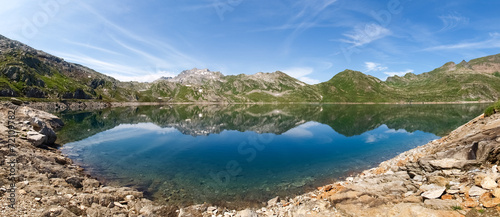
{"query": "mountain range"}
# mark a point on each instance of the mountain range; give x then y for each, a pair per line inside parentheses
(30, 73)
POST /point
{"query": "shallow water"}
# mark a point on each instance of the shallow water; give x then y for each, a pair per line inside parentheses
(247, 154)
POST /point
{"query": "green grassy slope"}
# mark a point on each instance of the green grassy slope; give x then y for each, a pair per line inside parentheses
(26, 72)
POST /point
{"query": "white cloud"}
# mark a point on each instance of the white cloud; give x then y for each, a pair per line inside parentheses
(492, 42)
(453, 21)
(308, 17)
(494, 34)
(308, 80)
(116, 70)
(93, 47)
(300, 73)
(399, 73)
(371, 66)
(142, 78)
(365, 35)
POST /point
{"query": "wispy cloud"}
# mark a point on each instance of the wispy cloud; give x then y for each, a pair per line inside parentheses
(301, 74)
(116, 70)
(371, 66)
(362, 35)
(308, 80)
(149, 77)
(199, 6)
(166, 50)
(453, 21)
(311, 9)
(492, 42)
(93, 47)
(306, 18)
(153, 59)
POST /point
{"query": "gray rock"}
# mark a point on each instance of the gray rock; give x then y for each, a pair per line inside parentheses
(36, 138)
(50, 134)
(273, 201)
(62, 160)
(42, 128)
(476, 191)
(211, 208)
(246, 213)
(488, 183)
(36, 123)
(75, 181)
(418, 178)
(58, 211)
(438, 204)
(432, 191)
(90, 183)
(448, 163)
(16, 101)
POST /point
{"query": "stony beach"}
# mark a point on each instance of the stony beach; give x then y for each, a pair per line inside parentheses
(454, 176)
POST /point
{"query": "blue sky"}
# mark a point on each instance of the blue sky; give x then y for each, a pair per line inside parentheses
(310, 40)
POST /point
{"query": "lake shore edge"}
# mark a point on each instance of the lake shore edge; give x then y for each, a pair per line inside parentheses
(49, 184)
(95, 105)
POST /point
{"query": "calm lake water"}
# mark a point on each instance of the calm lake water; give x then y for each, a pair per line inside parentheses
(246, 154)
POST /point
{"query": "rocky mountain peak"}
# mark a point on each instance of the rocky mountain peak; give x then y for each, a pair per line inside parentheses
(195, 76)
(465, 64)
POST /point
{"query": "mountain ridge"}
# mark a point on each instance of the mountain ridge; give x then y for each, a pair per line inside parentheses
(31, 73)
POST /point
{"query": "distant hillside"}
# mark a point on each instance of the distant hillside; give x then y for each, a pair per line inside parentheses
(475, 80)
(354, 86)
(30, 73)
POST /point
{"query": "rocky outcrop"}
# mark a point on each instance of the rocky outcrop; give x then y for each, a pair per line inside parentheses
(39, 126)
(34, 92)
(7, 92)
(78, 94)
(195, 77)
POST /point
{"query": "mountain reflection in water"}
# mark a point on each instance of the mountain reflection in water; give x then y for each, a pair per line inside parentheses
(186, 154)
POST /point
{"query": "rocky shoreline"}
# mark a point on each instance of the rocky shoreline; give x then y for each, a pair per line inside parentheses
(453, 176)
(48, 184)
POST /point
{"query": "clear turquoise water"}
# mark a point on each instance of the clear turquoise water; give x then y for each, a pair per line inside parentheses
(247, 154)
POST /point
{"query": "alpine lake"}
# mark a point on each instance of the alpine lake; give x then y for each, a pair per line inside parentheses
(244, 155)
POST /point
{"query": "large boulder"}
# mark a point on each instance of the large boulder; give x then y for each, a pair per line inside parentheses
(42, 123)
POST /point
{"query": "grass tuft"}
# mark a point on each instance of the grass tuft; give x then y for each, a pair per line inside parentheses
(492, 109)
